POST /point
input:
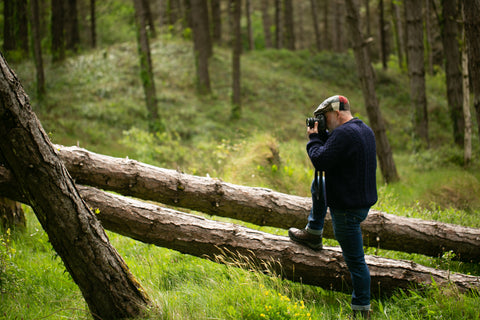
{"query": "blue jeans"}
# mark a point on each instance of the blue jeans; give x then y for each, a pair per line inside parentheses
(347, 231)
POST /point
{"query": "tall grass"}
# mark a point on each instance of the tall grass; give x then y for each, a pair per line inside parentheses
(35, 285)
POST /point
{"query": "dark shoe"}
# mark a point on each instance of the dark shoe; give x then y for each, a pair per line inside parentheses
(302, 236)
(363, 314)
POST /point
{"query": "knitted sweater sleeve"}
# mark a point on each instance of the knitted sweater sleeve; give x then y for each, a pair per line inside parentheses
(324, 154)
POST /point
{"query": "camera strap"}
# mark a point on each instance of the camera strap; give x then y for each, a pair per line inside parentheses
(320, 188)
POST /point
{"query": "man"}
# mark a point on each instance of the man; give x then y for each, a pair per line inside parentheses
(347, 156)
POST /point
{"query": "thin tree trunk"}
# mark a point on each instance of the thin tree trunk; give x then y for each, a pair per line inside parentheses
(201, 44)
(383, 37)
(149, 19)
(248, 13)
(71, 26)
(243, 247)
(37, 48)
(278, 24)
(416, 72)
(258, 205)
(236, 54)
(9, 41)
(326, 25)
(289, 33)
(266, 23)
(367, 79)
(11, 215)
(318, 41)
(398, 29)
(93, 27)
(471, 11)
(467, 145)
(216, 21)
(109, 289)
(146, 67)
(428, 33)
(453, 71)
(57, 30)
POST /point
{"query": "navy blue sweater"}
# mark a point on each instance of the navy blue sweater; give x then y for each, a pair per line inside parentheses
(348, 158)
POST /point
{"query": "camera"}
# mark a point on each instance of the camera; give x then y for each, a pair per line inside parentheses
(322, 125)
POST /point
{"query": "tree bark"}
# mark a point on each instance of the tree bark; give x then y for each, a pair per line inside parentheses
(37, 48)
(244, 247)
(248, 15)
(398, 30)
(367, 79)
(289, 29)
(318, 41)
(236, 55)
(453, 70)
(9, 40)
(266, 22)
(260, 206)
(11, 215)
(278, 24)
(416, 72)
(109, 289)
(71, 26)
(216, 21)
(383, 37)
(201, 44)
(57, 30)
(93, 26)
(467, 144)
(471, 13)
(146, 67)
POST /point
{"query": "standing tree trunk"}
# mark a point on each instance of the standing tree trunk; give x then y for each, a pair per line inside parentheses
(327, 42)
(383, 37)
(9, 42)
(146, 67)
(467, 145)
(149, 19)
(289, 25)
(266, 23)
(398, 29)
(93, 27)
(367, 79)
(313, 7)
(37, 48)
(236, 54)
(429, 41)
(11, 214)
(471, 12)
(201, 46)
(216, 21)
(248, 13)
(72, 34)
(338, 26)
(75, 233)
(278, 24)
(57, 29)
(416, 72)
(453, 71)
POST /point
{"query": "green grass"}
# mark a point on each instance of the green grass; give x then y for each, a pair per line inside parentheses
(35, 285)
(96, 100)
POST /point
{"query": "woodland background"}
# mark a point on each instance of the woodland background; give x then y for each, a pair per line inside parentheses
(245, 126)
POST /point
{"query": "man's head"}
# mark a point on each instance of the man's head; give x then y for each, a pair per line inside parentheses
(334, 103)
(336, 110)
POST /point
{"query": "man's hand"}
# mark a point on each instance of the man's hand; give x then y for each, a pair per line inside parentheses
(312, 130)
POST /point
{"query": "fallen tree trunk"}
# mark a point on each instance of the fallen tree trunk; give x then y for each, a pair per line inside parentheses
(222, 242)
(261, 206)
